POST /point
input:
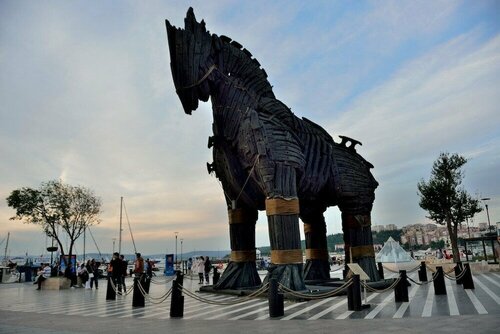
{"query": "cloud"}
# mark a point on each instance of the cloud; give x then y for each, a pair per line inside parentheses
(444, 100)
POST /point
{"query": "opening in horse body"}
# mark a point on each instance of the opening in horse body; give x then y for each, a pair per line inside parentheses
(268, 159)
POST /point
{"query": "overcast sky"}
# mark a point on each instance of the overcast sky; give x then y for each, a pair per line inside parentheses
(86, 95)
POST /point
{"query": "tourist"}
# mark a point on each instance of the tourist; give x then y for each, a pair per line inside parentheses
(83, 274)
(189, 265)
(497, 248)
(93, 270)
(124, 265)
(207, 267)
(43, 274)
(70, 274)
(439, 254)
(200, 268)
(115, 271)
(138, 265)
(149, 268)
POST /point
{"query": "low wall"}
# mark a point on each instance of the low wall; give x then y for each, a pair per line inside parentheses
(56, 283)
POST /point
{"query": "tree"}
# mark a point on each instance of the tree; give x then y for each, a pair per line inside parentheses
(57, 205)
(445, 199)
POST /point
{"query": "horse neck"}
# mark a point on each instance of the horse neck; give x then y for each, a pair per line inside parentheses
(230, 103)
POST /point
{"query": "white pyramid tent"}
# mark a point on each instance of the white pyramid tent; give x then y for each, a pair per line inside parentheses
(392, 252)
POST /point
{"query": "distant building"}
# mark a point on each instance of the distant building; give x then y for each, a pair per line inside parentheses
(339, 247)
(378, 228)
(391, 227)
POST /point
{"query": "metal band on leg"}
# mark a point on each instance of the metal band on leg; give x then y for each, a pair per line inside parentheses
(317, 254)
(281, 206)
(287, 256)
(243, 256)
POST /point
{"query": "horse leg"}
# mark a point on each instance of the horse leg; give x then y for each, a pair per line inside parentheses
(282, 209)
(317, 266)
(359, 242)
(241, 271)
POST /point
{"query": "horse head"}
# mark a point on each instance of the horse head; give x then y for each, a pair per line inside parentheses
(191, 60)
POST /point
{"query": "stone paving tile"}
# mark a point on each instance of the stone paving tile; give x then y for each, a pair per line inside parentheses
(25, 310)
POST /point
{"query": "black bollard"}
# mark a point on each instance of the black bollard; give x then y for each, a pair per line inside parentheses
(380, 270)
(422, 272)
(110, 292)
(458, 270)
(138, 297)
(177, 299)
(467, 281)
(401, 289)
(216, 276)
(439, 286)
(276, 303)
(354, 295)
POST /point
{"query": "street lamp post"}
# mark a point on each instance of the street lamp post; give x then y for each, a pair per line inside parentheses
(468, 229)
(176, 266)
(182, 263)
(487, 212)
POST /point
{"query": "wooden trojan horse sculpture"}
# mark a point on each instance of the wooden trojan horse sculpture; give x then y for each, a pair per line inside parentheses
(268, 159)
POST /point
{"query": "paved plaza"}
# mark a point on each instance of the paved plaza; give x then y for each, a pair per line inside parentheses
(23, 310)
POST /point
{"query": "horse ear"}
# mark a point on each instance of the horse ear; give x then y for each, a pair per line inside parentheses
(190, 20)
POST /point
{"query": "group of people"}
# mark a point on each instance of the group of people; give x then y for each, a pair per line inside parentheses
(202, 266)
(89, 271)
(86, 271)
(117, 270)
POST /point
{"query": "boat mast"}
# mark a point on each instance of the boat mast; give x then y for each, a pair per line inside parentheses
(120, 235)
(6, 246)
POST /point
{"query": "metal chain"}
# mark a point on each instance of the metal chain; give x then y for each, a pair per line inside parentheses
(239, 301)
(118, 292)
(392, 271)
(154, 300)
(434, 270)
(397, 272)
(412, 270)
(316, 296)
(457, 277)
(369, 288)
(167, 280)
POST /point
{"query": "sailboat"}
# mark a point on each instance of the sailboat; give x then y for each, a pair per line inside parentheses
(8, 273)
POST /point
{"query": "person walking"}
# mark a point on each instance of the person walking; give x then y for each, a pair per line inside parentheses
(207, 268)
(92, 268)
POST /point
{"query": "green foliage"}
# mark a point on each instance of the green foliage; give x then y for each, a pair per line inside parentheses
(382, 236)
(54, 205)
(443, 197)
